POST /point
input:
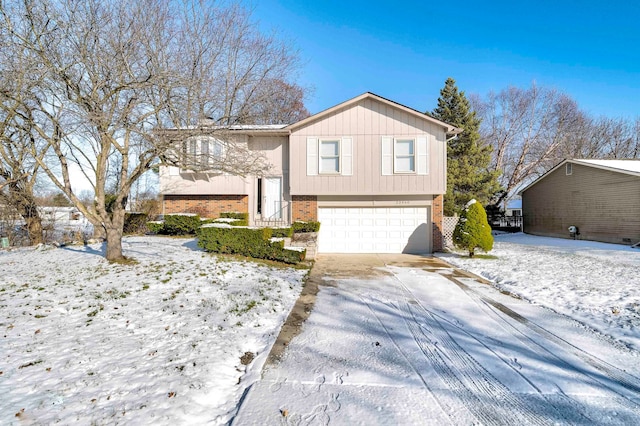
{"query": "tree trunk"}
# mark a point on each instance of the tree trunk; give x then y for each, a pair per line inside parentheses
(23, 200)
(114, 235)
(34, 228)
(114, 244)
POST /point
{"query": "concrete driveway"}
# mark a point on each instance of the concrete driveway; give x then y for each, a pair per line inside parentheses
(403, 339)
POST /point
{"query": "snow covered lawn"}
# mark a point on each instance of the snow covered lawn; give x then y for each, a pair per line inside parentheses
(594, 283)
(163, 341)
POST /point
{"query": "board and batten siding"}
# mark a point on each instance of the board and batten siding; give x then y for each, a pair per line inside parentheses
(174, 183)
(273, 148)
(604, 205)
(365, 123)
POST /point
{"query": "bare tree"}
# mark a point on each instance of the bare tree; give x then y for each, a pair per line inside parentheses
(279, 102)
(19, 152)
(529, 129)
(116, 73)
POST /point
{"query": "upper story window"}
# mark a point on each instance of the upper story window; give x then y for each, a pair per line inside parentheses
(568, 169)
(405, 155)
(404, 151)
(201, 153)
(329, 150)
(330, 156)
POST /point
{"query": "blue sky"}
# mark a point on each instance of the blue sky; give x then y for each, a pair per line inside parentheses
(404, 50)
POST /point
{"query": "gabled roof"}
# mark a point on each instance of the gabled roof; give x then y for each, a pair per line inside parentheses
(451, 130)
(629, 167)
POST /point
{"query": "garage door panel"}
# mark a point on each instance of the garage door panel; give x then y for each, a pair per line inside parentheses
(374, 230)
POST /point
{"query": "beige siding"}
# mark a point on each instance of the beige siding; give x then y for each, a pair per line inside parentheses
(366, 122)
(604, 205)
(174, 183)
(274, 150)
(272, 147)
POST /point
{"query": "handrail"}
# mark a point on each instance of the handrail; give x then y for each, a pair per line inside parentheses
(279, 215)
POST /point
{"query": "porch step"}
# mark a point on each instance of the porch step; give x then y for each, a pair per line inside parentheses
(271, 223)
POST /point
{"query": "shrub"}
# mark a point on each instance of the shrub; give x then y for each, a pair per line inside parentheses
(229, 221)
(251, 242)
(135, 223)
(155, 227)
(181, 224)
(299, 227)
(473, 230)
(234, 215)
(281, 232)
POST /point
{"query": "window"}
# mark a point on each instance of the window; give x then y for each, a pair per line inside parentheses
(404, 156)
(201, 153)
(329, 156)
(569, 169)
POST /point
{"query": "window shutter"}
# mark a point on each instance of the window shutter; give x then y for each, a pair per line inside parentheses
(347, 156)
(387, 155)
(312, 156)
(422, 151)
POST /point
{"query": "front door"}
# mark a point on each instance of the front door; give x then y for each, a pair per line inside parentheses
(272, 206)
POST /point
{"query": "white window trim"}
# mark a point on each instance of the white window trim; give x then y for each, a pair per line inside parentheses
(568, 169)
(339, 156)
(395, 157)
(193, 146)
(345, 156)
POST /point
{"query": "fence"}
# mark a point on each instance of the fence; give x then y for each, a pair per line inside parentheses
(448, 225)
(504, 223)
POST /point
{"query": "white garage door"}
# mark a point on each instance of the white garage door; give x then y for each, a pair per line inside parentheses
(374, 230)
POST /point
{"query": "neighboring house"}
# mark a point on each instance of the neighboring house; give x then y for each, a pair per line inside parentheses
(64, 218)
(600, 197)
(514, 208)
(372, 171)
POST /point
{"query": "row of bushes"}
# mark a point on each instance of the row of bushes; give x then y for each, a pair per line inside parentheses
(252, 242)
(188, 224)
(235, 238)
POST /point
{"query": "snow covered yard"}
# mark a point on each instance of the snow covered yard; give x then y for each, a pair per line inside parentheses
(594, 283)
(168, 340)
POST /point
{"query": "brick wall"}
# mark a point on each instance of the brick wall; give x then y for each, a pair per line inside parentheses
(437, 219)
(209, 206)
(304, 207)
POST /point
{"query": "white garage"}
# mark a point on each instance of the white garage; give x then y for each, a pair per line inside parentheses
(374, 230)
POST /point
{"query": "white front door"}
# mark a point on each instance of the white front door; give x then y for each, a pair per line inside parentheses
(272, 198)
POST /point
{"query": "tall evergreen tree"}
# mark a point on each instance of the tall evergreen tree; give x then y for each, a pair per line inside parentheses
(468, 159)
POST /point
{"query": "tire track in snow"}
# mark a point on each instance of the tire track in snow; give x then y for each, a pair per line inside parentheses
(490, 401)
(443, 406)
(483, 394)
(620, 377)
(486, 397)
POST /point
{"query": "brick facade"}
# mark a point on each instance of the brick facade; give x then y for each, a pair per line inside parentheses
(209, 206)
(304, 208)
(437, 214)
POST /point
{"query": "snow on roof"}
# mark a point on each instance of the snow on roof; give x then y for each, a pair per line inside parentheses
(627, 165)
(243, 127)
(258, 127)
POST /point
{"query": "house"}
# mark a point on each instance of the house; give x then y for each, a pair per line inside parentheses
(514, 208)
(372, 171)
(599, 197)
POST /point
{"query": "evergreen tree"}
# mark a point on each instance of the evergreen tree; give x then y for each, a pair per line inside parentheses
(468, 159)
(473, 230)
